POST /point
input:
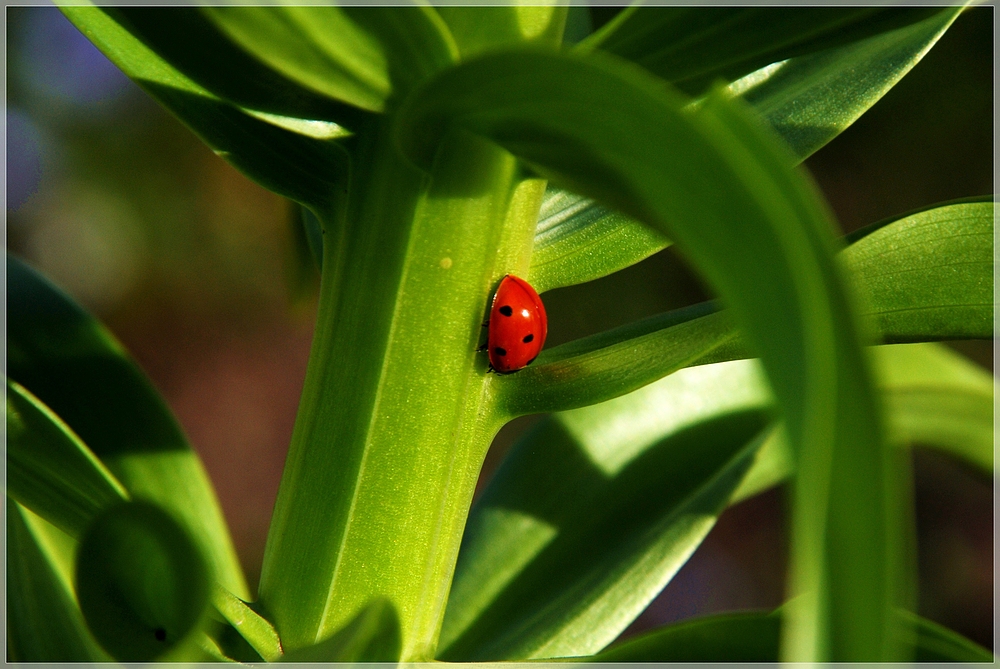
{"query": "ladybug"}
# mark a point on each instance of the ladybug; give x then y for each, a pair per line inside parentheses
(517, 326)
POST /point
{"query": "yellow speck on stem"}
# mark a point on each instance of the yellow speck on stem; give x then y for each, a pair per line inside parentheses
(445, 263)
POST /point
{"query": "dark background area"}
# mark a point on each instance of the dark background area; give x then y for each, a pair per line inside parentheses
(196, 270)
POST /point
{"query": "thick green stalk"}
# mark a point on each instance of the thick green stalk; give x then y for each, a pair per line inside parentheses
(391, 432)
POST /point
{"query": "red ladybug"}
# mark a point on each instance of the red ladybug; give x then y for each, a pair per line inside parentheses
(518, 325)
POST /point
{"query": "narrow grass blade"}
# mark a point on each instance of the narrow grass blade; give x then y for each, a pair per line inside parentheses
(811, 99)
(49, 470)
(186, 40)
(80, 371)
(577, 240)
(937, 398)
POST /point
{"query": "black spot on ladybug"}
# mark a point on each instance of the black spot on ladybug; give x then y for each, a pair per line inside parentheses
(506, 310)
(160, 634)
(527, 338)
(499, 351)
(530, 361)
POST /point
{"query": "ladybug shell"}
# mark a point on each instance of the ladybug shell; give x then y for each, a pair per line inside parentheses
(518, 325)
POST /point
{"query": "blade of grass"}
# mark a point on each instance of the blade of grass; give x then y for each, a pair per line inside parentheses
(643, 522)
(949, 249)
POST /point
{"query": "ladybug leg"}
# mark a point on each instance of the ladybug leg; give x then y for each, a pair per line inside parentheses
(486, 323)
(483, 347)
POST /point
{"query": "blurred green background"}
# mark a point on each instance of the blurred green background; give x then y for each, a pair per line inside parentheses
(198, 271)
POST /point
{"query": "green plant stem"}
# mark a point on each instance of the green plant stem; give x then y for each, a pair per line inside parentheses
(389, 441)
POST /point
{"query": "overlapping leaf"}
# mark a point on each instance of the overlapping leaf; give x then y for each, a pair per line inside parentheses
(44, 623)
(545, 490)
(754, 637)
(294, 157)
(594, 511)
(76, 367)
(692, 47)
(481, 28)
(808, 100)
(49, 470)
(371, 636)
(142, 583)
(926, 276)
(358, 55)
(930, 274)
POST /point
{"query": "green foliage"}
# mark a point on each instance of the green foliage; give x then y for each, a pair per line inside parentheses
(142, 582)
(50, 469)
(753, 637)
(433, 151)
(43, 621)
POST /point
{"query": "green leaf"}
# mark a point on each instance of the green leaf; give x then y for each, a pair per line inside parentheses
(292, 157)
(930, 274)
(49, 470)
(576, 241)
(187, 41)
(603, 366)
(257, 630)
(811, 99)
(937, 398)
(724, 192)
(44, 623)
(512, 524)
(478, 29)
(636, 520)
(373, 635)
(927, 276)
(142, 583)
(753, 637)
(693, 46)
(807, 100)
(80, 371)
(932, 396)
(359, 55)
(936, 643)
